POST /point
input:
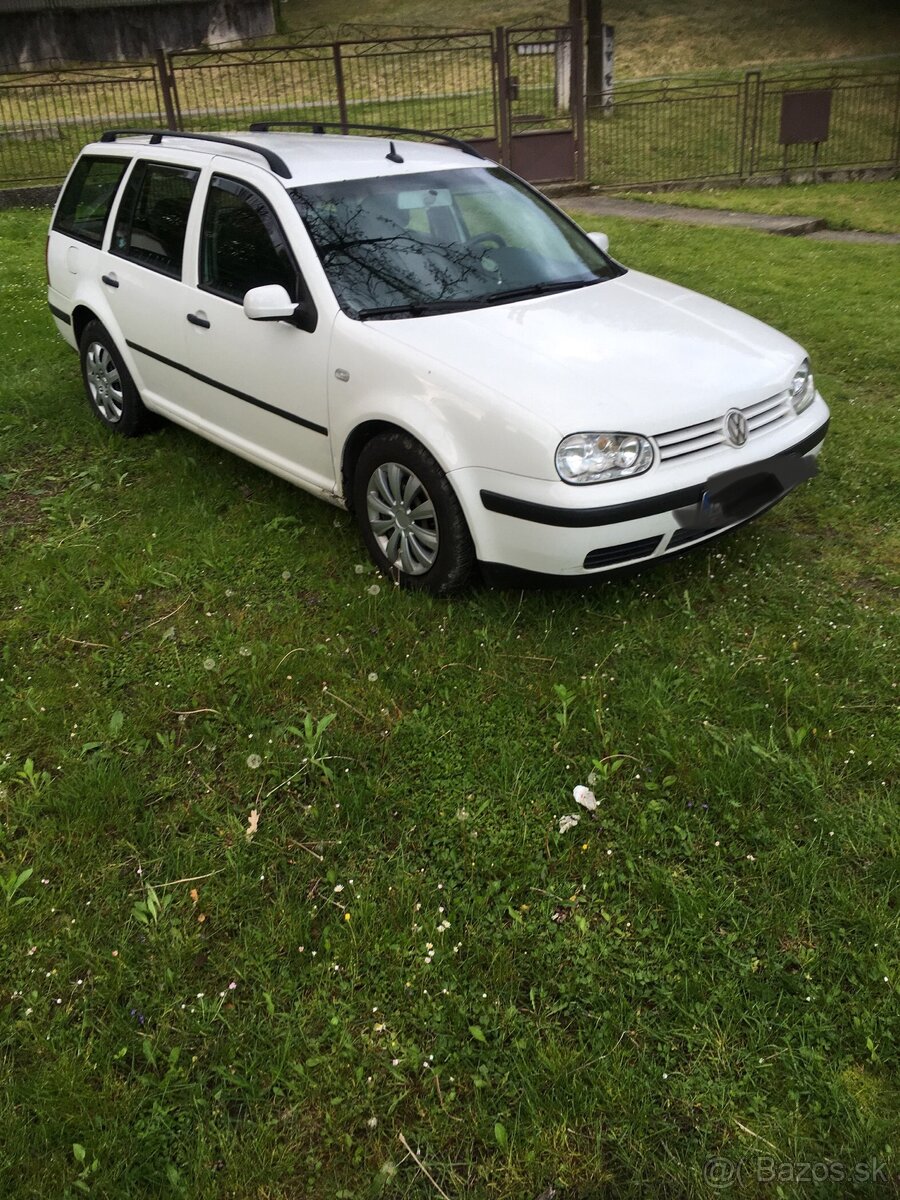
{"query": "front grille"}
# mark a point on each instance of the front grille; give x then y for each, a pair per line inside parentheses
(708, 435)
(626, 552)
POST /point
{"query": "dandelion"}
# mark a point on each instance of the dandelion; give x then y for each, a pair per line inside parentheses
(373, 677)
(285, 575)
(373, 589)
(346, 916)
(253, 761)
(372, 1122)
(209, 664)
(359, 569)
(245, 651)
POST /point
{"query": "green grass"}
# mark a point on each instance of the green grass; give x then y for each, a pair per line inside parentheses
(708, 968)
(870, 206)
(656, 37)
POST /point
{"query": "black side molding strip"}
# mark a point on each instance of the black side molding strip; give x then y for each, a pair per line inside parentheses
(223, 387)
(614, 514)
(60, 315)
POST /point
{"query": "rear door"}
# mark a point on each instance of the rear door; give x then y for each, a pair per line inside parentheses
(142, 276)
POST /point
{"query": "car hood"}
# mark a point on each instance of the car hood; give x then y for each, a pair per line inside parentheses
(634, 353)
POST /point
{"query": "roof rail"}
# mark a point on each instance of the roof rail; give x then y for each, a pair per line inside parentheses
(277, 163)
(343, 126)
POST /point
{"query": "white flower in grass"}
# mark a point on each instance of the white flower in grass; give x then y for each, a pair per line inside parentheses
(569, 821)
(253, 761)
(373, 589)
(359, 569)
(585, 797)
(209, 664)
(245, 651)
(373, 677)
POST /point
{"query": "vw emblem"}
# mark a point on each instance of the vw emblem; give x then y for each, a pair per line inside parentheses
(735, 427)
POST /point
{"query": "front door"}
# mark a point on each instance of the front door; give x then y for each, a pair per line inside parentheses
(260, 387)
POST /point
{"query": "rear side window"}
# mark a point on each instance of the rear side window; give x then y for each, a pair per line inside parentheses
(85, 204)
(153, 216)
(241, 244)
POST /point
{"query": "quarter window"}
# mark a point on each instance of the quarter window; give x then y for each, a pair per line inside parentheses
(85, 204)
(153, 216)
(241, 244)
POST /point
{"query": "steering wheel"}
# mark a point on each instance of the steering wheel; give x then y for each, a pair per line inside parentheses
(487, 241)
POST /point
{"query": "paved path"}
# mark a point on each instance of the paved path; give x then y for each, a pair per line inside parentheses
(814, 227)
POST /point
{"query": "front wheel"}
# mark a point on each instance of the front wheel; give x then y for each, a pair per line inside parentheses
(409, 516)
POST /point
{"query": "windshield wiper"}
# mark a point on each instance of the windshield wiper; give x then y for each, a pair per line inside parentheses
(544, 288)
(418, 308)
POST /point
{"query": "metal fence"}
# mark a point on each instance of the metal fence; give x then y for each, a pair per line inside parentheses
(47, 116)
(512, 88)
(442, 82)
(673, 132)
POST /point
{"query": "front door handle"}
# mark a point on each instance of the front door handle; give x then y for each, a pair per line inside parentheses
(198, 318)
(110, 280)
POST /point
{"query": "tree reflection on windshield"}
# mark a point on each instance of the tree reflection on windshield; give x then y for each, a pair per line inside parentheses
(421, 243)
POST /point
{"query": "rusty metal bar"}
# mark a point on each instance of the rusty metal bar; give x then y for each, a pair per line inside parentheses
(500, 58)
(578, 99)
(165, 83)
(339, 85)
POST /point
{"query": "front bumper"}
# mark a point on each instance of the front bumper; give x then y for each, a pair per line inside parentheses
(529, 534)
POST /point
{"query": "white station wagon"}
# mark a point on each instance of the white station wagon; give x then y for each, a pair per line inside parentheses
(415, 334)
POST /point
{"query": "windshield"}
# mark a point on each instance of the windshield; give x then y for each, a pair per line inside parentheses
(413, 245)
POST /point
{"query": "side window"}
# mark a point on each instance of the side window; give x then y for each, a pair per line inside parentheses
(241, 243)
(153, 215)
(85, 204)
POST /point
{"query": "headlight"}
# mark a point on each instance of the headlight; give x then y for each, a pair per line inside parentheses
(803, 387)
(597, 457)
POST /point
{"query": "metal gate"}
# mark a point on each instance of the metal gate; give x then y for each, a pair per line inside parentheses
(540, 94)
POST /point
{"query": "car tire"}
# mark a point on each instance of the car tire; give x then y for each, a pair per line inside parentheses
(108, 385)
(409, 517)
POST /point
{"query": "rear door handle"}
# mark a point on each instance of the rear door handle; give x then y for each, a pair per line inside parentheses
(110, 280)
(198, 319)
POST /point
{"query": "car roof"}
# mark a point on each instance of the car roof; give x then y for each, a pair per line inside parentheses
(311, 158)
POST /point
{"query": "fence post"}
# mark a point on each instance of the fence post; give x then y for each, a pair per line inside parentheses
(897, 126)
(577, 95)
(167, 86)
(749, 126)
(339, 84)
(502, 78)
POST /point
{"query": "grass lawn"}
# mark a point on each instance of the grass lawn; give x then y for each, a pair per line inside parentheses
(656, 37)
(406, 962)
(871, 206)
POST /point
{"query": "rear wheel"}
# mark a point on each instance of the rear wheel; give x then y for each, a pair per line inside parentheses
(409, 516)
(108, 384)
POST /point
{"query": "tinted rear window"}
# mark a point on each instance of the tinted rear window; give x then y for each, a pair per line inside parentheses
(153, 216)
(85, 204)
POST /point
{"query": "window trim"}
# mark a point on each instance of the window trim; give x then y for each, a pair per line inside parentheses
(143, 165)
(126, 162)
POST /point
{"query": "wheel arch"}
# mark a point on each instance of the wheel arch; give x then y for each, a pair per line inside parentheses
(355, 442)
(81, 318)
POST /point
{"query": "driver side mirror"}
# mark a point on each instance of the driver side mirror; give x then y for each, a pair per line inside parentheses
(601, 241)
